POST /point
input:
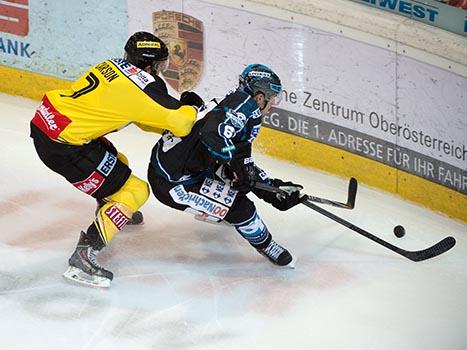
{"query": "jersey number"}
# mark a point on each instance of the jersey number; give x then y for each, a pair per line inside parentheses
(227, 131)
(93, 84)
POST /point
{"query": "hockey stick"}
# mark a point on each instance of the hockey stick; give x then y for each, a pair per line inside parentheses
(351, 194)
(439, 248)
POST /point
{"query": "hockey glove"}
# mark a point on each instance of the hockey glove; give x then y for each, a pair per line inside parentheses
(289, 196)
(244, 176)
(191, 98)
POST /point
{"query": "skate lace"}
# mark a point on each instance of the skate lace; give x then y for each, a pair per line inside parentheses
(92, 256)
(274, 250)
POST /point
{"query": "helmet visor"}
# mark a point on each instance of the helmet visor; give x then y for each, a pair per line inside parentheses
(275, 99)
(268, 104)
(275, 92)
(160, 66)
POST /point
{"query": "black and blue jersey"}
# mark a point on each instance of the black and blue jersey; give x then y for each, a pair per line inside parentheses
(226, 131)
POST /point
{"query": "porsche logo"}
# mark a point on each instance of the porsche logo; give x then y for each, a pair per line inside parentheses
(183, 35)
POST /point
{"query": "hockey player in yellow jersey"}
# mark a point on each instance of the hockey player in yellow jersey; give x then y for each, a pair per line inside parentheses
(69, 128)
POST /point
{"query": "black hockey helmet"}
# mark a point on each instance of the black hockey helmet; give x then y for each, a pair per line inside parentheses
(258, 78)
(144, 49)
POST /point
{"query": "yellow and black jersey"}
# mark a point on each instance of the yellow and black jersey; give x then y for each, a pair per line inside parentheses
(108, 97)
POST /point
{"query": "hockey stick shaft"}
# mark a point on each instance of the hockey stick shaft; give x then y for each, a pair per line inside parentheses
(435, 250)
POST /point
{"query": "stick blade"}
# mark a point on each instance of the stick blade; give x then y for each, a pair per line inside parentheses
(352, 195)
(439, 248)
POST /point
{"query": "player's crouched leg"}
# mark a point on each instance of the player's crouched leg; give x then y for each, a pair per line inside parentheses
(131, 196)
(250, 226)
(137, 217)
(110, 218)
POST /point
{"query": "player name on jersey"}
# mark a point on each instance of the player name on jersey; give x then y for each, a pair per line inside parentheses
(107, 71)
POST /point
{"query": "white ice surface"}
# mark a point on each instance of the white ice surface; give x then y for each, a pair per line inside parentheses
(184, 284)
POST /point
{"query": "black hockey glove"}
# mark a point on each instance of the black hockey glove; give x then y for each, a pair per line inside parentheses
(191, 98)
(244, 176)
(288, 198)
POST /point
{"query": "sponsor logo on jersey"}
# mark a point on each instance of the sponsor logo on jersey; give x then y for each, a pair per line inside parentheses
(237, 119)
(49, 120)
(138, 76)
(107, 163)
(183, 35)
(219, 191)
(228, 149)
(48, 117)
(116, 216)
(263, 175)
(198, 202)
(256, 113)
(142, 79)
(91, 184)
(124, 65)
(254, 132)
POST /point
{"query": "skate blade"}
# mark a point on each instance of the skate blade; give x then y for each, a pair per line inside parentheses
(76, 275)
(291, 265)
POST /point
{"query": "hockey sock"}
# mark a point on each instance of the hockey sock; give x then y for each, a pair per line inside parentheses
(113, 215)
(254, 231)
(92, 238)
(110, 219)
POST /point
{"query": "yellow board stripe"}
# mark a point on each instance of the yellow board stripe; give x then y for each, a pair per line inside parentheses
(24, 83)
(333, 160)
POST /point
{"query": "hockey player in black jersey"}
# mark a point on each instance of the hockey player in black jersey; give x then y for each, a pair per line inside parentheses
(210, 171)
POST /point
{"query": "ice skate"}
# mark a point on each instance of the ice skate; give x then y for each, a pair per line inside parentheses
(83, 267)
(136, 219)
(277, 254)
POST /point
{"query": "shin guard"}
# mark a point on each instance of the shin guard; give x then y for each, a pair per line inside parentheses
(254, 231)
